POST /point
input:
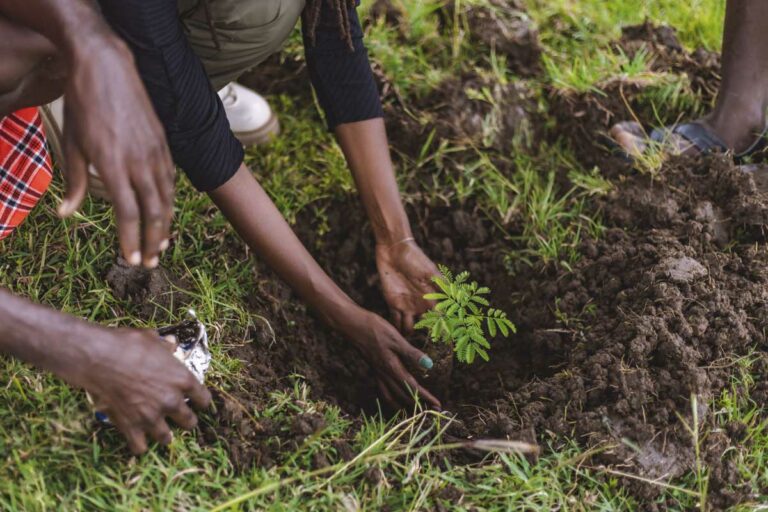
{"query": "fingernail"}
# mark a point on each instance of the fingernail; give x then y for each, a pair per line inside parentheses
(425, 362)
(152, 263)
(134, 258)
(165, 244)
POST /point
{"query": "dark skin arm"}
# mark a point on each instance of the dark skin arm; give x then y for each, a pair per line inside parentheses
(260, 224)
(109, 121)
(404, 269)
(131, 374)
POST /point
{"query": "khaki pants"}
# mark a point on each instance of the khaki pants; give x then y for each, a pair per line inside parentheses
(247, 31)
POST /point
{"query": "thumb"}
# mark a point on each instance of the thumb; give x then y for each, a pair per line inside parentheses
(76, 177)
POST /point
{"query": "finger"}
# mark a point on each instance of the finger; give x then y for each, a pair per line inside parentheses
(407, 323)
(386, 395)
(166, 180)
(137, 442)
(422, 392)
(153, 216)
(184, 417)
(397, 319)
(161, 433)
(125, 207)
(77, 178)
(127, 217)
(397, 391)
(198, 394)
(408, 380)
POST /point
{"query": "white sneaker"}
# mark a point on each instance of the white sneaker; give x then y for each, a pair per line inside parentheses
(249, 115)
(53, 122)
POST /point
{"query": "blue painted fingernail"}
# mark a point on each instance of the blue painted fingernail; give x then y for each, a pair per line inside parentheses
(425, 362)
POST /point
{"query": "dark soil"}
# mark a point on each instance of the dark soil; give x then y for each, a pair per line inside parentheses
(145, 289)
(608, 353)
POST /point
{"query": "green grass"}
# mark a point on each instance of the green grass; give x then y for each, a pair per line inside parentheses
(52, 457)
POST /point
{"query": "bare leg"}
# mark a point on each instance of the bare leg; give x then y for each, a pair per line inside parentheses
(30, 71)
(739, 113)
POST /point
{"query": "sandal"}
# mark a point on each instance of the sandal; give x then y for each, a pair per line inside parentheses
(695, 135)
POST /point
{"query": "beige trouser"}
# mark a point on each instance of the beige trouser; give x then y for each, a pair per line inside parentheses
(245, 33)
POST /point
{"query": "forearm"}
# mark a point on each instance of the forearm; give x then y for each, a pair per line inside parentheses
(258, 221)
(69, 24)
(39, 335)
(366, 149)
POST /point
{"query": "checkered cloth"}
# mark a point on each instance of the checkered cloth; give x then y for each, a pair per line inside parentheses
(25, 167)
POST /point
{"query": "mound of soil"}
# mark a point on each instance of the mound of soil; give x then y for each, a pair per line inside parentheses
(147, 289)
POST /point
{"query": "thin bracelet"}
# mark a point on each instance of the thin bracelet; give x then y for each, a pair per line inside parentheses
(407, 239)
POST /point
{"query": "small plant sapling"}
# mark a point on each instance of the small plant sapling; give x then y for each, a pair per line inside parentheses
(461, 314)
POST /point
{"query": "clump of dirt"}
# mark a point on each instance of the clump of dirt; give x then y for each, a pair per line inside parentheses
(472, 110)
(504, 26)
(149, 289)
(479, 111)
(702, 67)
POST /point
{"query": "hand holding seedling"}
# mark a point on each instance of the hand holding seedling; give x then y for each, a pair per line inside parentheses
(406, 277)
(248, 207)
(460, 315)
(388, 352)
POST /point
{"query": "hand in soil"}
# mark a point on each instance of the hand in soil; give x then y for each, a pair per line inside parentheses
(388, 353)
(134, 379)
(406, 276)
(110, 123)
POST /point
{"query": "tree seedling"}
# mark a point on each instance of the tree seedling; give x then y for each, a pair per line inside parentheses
(460, 315)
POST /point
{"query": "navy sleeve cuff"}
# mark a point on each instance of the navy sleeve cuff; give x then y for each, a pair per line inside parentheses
(342, 78)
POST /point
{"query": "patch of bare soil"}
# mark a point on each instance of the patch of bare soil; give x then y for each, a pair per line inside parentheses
(608, 353)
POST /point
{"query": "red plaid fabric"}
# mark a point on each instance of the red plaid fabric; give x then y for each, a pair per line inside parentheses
(25, 167)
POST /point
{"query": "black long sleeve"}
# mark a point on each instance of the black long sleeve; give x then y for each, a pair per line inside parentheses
(341, 77)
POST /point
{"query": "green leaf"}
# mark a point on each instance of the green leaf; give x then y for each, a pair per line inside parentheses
(435, 296)
(491, 327)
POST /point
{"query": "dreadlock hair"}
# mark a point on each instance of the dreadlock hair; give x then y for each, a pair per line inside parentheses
(312, 13)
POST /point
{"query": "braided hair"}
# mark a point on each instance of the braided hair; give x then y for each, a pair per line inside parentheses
(313, 12)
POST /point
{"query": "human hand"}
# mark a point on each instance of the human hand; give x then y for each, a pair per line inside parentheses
(134, 378)
(111, 124)
(388, 352)
(405, 273)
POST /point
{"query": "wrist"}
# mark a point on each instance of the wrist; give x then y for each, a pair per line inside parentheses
(344, 317)
(80, 29)
(394, 235)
